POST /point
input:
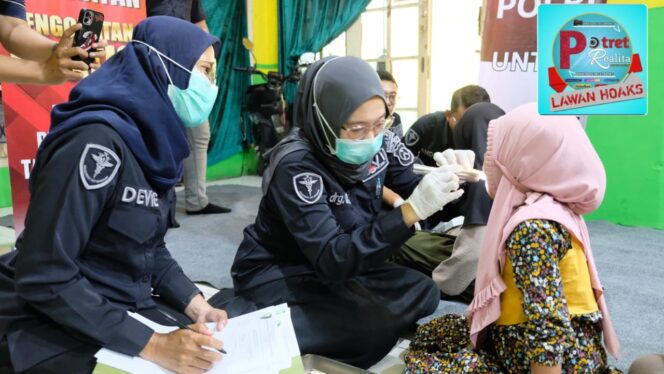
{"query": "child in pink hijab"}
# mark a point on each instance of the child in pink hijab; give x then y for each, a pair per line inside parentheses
(538, 298)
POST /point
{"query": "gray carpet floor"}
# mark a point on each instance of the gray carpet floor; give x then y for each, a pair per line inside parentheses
(205, 245)
(630, 261)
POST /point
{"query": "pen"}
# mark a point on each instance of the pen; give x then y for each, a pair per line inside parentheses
(183, 326)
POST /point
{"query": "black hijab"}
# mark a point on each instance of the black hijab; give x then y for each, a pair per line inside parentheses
(329, 92)
(470, 132)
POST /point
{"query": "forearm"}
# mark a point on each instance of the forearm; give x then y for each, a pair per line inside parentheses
(14, 70)
(390, 197)
(409, 215)
(27, 44)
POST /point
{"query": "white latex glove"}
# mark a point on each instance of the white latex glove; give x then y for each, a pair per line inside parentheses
(434, 191)
(465, 158)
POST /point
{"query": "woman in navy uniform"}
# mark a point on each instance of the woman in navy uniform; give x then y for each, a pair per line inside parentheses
(93, 245)
(319, 242)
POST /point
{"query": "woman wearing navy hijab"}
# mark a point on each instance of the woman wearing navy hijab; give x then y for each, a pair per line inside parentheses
(93, 245)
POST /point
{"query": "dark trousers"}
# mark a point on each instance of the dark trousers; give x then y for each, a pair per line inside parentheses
(424, 252)
(356, 321)
(81, 359)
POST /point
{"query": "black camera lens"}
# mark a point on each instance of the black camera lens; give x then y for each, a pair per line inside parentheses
(87, 18)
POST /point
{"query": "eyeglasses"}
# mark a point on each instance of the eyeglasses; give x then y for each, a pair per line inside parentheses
(360, 131)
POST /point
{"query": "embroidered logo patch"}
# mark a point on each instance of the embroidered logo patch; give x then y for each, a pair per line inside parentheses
(392, 142)
(308, 187)
(339, 198)
(140, 196)
(412, 138)
(98, 166)
(404, 155)
(396, 147)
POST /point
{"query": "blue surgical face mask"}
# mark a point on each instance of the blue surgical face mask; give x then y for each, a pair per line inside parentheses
(358, 152)
(194, 103)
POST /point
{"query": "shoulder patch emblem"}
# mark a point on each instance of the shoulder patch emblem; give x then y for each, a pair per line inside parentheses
(412, 138)
(98, 166)
(392, 143)
(404, 155)
(308, 187)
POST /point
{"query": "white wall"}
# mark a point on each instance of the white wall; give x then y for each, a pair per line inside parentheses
(455, 57)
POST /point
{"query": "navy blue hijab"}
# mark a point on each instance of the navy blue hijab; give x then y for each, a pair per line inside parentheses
(129, 93)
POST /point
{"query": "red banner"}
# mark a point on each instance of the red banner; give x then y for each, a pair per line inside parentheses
(27, 107)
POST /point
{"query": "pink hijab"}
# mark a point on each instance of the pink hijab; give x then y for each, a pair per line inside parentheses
(537, 167)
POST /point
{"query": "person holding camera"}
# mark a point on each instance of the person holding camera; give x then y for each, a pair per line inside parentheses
(41, 60)
(198, 135)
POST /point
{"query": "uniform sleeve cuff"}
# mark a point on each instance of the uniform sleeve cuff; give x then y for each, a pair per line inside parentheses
(179, 290)
(394, 228)
(131, 337)
(13, 9)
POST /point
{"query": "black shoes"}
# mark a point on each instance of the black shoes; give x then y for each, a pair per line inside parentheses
(210, 209)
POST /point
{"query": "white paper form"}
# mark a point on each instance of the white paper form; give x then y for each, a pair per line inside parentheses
(259, 342)
(256, 342)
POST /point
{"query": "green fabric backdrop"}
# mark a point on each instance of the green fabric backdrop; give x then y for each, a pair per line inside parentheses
(228, 21)
(632, 148)
(307, 26)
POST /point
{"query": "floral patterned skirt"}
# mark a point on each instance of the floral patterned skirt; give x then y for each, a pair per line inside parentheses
(443, 346)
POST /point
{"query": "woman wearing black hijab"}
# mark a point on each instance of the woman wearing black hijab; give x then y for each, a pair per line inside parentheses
(93, 245)
(452, 261)
(319, 242)
(455, 275)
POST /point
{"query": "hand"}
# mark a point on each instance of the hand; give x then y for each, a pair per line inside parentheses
(434, 191)
(60, 67)
(182, 350)
(98, 50)
(213, 315)
(464, 158)
(200, 311)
